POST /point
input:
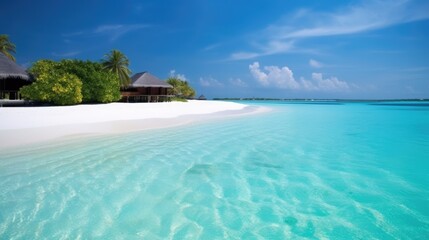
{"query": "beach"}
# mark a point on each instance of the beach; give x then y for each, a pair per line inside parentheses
(27, 125)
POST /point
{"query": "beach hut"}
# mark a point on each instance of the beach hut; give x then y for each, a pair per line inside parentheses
(12, 78)
(145, 87)
(202, 97)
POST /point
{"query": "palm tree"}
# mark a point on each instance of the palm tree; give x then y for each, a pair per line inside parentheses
(117, 62)
(6, 47)
(180, 88)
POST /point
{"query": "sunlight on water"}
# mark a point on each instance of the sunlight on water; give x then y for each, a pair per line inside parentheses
(318, 171)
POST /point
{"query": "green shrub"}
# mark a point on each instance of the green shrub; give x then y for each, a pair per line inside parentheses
(104, 87)
(96, 84)
(178, 99)
(99, 86)
(59, 89)
(43, 67)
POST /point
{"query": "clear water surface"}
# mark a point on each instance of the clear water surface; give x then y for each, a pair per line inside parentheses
(303, 171)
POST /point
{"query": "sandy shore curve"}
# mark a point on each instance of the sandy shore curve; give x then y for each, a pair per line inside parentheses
(20, 126)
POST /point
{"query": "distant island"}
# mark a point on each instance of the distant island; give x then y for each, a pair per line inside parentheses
(311, 99)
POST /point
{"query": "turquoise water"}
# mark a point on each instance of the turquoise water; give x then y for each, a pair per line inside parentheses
(302, 171)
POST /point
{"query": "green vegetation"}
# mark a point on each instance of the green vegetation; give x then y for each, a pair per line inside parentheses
(99, 86)
(70, 82)
(53, 86)
(181, 89)
(178, 99)
(6, 47)
(117, 63)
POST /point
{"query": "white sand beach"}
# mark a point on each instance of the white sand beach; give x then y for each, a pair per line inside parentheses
(25, 125)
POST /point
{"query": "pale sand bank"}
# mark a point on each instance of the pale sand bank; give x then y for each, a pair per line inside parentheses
(20, 126)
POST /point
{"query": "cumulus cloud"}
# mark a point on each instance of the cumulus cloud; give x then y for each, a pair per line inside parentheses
(210, 82)
(327, 84)
(315, 64)
(282, 77)
(274, 76)
(178, 75)
(237, 82)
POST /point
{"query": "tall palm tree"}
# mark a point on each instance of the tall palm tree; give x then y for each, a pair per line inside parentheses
(6, 47)
(117, 62)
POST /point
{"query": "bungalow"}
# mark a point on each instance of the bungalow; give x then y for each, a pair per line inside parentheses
(12, 78)
(145, 87)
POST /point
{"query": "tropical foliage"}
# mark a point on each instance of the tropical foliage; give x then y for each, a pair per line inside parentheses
(7, 47)
(117, 63)
(180, 88)
(88, 83)
(53, 86)
(178, 99)
(99, 86)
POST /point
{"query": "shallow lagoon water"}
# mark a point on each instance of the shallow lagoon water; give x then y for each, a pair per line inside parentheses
(317, 171)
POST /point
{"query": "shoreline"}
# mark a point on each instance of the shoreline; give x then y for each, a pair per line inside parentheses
(21, 127)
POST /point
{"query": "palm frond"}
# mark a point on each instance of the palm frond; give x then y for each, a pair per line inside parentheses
(117, 62)
(6, 47)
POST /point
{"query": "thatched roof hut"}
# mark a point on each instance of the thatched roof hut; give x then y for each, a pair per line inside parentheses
(202, 97)
(9, 69)
(145, 87)
(12, 78)
(145, 79)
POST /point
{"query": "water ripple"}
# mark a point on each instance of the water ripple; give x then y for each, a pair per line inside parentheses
(277, 176)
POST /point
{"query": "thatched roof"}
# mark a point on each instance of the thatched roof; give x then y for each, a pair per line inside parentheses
(145, 79)
(9, 69)
(202, 97)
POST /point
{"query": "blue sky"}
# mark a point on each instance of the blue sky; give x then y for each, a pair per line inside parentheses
(286, 49)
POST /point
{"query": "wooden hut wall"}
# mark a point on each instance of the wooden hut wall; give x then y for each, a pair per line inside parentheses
(163, 91)
(12, 84)
(9, 87)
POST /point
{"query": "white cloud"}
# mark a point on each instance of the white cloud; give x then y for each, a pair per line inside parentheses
(282, 77)
(315, 64)
(237, 82)
(366, 16)
(258, 74)
(276, 46)
(108, 28)
(274, 76)
(328, 84)
(210, 82)
(244, 55)
(211, 47)
(281, 37)
(273, 47)
(113, 31)
(178, 75)
(66, 54)
(117, 30)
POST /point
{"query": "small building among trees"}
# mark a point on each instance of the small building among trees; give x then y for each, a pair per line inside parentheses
(145, 87)
(202, 97)
(12, 78)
